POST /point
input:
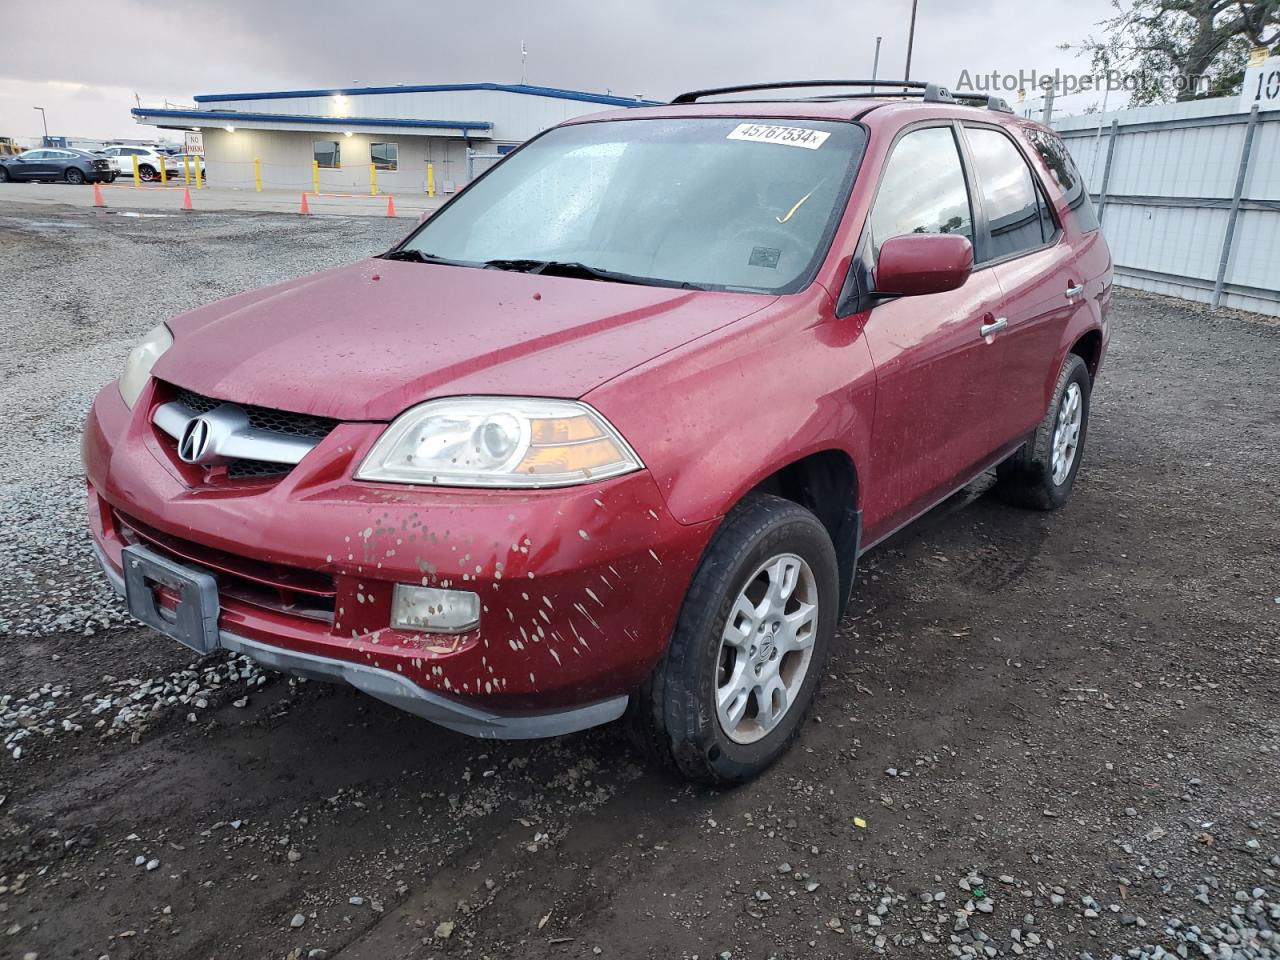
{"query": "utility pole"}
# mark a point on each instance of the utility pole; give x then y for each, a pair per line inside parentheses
(1048, 107)
(45, 121)
(875, 65)
(524, 55)
(911, 39)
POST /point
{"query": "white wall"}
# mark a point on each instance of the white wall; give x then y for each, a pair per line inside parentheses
(286, 156)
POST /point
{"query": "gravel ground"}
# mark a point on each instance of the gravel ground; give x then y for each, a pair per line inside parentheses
(1041, 735)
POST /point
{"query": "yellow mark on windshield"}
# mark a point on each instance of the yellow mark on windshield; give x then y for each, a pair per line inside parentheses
(792, 211)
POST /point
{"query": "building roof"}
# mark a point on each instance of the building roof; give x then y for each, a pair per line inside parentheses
(521, 88)
(185, 118)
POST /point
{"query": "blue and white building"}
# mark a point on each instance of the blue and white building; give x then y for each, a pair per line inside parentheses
(457, 128)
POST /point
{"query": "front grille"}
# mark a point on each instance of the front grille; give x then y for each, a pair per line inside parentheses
(263, 418)
(272, 586)
(253, 469)
(284, 422)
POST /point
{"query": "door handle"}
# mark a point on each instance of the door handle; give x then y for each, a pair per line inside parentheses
(1075, 291)
(995, 326)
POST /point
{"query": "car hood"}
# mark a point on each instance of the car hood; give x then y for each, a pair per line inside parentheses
(367, 340)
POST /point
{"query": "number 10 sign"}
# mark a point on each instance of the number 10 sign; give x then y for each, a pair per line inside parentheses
(1262, 86)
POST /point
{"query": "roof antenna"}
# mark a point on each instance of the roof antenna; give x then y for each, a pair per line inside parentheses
(524, 55)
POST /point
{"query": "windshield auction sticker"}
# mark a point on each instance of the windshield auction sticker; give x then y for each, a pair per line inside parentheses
(789, 136)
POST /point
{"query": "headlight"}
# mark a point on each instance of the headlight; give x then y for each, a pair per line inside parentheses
(137, 366)
(499, 442)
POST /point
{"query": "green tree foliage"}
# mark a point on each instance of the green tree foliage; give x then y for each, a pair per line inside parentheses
(1181, 40)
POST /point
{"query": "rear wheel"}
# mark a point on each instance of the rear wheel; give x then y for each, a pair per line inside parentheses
(1040, 475)
(4, 175)
(74, 175)
(147, 173)
(747, 653)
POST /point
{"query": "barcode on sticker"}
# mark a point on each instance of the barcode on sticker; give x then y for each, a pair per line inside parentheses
(789, 136)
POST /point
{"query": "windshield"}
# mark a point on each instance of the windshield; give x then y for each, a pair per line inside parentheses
(708, 202)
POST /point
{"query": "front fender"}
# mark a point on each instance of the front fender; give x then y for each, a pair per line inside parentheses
(728, 410)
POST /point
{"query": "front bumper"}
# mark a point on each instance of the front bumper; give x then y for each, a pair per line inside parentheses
(394, 689)
(580, 586)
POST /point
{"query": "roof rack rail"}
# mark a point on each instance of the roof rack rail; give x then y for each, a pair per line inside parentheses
(931, 92)
(988, 100)
(928, 92)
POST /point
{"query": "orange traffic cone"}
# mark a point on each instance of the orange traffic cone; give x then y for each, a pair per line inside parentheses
(186, 199)
(97, 196)
(391, 206)
(303, 210)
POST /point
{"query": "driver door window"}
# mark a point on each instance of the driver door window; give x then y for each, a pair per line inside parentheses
(923, 189)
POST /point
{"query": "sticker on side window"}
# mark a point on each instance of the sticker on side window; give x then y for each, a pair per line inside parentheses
(789, 136)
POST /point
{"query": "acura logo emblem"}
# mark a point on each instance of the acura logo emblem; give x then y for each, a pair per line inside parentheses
(194, 443)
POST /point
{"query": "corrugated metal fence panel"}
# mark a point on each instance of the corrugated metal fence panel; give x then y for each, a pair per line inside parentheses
(1173, 170)
(1179, 241)
(1182, 162)
(1263, 180)
(1255, 254)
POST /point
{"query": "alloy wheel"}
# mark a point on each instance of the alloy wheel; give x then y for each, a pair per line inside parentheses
(766, 647)
(1066, 434)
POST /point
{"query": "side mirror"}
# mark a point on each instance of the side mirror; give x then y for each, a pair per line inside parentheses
(915, 264)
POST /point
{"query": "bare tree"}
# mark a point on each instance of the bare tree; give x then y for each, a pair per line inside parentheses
(1203, 44)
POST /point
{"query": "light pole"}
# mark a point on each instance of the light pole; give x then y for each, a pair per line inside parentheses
(911, 38)
(45, 121)
(875, 65)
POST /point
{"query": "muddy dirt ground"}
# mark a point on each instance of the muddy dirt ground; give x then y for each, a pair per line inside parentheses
(1050, 735)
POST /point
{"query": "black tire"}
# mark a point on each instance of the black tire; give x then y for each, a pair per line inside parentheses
(673, 718)
(110, 178)
(4, 175)
(147, 173)
(74, 175)
(1026, 479)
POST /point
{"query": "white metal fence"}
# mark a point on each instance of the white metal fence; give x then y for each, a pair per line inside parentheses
(1189, 196)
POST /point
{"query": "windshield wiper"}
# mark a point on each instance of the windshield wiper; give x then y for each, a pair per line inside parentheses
(572, 268)
(417, 256)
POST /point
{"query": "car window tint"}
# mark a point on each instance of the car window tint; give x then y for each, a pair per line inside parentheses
(923, 189)
(1008, 193)
(1065, 173)
(34, 155)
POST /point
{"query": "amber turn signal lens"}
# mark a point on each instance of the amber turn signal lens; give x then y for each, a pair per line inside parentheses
(546, 433)
(574, 458)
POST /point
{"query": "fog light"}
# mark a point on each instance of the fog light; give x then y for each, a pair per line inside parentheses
(433, 610)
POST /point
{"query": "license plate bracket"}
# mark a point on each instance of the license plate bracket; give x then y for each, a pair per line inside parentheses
(195, 619)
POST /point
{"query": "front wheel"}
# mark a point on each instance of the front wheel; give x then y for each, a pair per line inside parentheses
(74, 175)
(749, 646)
(1040, 475)
(4, 175)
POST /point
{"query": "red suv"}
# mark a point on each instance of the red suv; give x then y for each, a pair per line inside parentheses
(607, 434)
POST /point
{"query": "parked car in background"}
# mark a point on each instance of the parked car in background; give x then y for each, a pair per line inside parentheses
(60, 163)
(710, 353)
(150, 162)
(190, 162)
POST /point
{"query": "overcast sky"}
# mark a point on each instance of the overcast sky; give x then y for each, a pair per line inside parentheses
(85, 68)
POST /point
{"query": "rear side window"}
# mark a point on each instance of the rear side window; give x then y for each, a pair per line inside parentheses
(923, 189)
(1009, 194)
(1063, 169)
